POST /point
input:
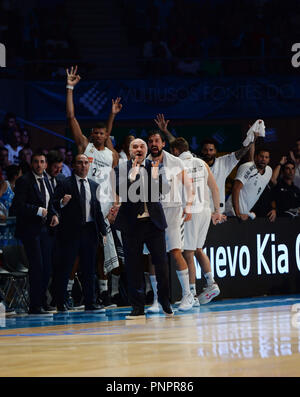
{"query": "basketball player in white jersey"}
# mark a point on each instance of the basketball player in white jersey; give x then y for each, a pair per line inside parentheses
(175, 216)
(195, 231)
(102, 157)
(221, 168)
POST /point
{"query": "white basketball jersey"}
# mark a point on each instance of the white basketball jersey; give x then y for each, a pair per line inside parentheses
(101, 162)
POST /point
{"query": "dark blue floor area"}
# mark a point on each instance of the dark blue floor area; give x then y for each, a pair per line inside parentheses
(79, 317)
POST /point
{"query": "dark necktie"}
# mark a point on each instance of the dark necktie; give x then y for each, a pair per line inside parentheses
(43, 191)
(53, 183)
(83, 199)
(141, 209)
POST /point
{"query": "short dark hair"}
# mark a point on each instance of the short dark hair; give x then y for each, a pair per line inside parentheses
(38, 153)
(181, 144)
(12, 171)
(54, 156)
(156, 132)
(289, 162)
(261, 149)
(209, 141)
(99, 125)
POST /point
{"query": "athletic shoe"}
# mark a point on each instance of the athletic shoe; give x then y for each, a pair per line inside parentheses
(94, 309)
(62, 309)
(196, 302)
(49, 309)
(168, 310)
(155, 308)
(136, 313)
(209, 293)
(187, 302)
(105, 300)
(177, 303)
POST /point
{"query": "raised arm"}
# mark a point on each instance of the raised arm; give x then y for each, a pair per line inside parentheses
(277, 170)
(80, 139)
(115, 109)
(163, 126)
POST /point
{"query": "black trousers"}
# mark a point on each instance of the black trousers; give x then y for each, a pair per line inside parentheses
(133, 243)
(39, 253)
(84, 245)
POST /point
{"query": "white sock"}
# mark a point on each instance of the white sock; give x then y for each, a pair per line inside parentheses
(193, 289)
(147, 282)
(209, 278)
(114, 285)
(70, 285)
(103, 285)
(154, 287)
(183, 277)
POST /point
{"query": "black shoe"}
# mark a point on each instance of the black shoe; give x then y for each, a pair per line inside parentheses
(136, 313)
(168, 310)
(94, 309)
(38, 311)
(49, 309)
(105, 300)
(62, 309)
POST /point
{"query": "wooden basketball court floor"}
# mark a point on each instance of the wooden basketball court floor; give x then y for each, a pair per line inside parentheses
(240, 337)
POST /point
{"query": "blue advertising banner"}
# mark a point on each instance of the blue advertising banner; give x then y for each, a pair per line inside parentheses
(207, 99)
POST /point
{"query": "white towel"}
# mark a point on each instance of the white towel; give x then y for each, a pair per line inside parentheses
(111, 260)
(259, 128)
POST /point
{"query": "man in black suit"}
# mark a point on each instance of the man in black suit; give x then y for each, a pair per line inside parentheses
(80, 230)
(35, 217)
(141, 220)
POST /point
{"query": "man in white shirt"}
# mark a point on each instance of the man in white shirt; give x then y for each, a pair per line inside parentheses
(251, 179)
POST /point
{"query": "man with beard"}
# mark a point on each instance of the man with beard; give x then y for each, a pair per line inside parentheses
(172, 205)
(141, 220)
(251, 179)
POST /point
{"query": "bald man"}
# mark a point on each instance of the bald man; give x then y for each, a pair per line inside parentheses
(141, 219)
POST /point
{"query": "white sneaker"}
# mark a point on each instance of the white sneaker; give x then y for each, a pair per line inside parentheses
(187, 302)
(177, 303)
(155, 308)
(209, 293)
(196, 302)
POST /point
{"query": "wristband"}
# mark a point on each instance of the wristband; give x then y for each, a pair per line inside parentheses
(70, 87)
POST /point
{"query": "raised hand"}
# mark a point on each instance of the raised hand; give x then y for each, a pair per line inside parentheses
(161, 122)
(72, 77)
(116, 105)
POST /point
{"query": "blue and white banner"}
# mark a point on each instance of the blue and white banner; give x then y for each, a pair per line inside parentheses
(208, 99)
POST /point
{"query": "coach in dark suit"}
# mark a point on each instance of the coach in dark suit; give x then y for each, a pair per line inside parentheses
(141, 220)
(81, 227)
(35, 216)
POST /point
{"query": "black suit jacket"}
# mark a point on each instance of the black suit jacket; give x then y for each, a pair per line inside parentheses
(126, 220)
(70, 216)
(27, 201)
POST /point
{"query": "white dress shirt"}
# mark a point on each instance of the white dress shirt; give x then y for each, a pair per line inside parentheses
(88, 197)
(37, 177)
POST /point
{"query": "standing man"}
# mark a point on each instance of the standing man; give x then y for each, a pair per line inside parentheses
(172, 204)
(250, 181)
(35, 218)
(54, 168)
(141, 221)
(195, 231)
(103, 158)
(81, 228)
